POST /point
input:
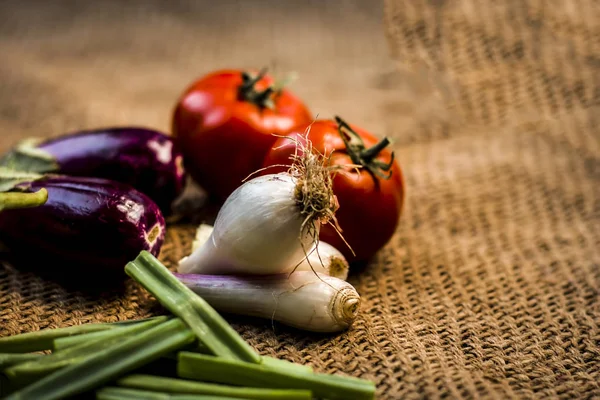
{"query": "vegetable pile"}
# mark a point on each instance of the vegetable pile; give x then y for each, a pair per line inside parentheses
(231, 123)
(370, 197)
(93, 198)
(301, 201)
(190, 354)
(143, 158)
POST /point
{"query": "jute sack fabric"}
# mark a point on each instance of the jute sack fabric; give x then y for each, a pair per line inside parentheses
(490, 287)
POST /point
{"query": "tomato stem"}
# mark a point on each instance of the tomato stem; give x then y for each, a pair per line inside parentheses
(372, 152)
(365, 157)
(247, 90)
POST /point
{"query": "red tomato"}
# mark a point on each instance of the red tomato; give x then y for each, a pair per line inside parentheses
(369, 204)
(225, 123)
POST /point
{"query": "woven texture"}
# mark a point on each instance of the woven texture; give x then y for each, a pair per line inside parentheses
(491, 286)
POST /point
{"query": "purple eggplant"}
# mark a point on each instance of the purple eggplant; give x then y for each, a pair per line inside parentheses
(77, 222)
(144, 158)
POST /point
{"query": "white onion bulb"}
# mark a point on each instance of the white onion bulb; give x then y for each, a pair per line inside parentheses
(259, 229)
(303, 299)
(323, 259)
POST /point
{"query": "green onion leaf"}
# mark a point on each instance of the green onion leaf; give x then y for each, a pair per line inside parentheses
(42, 340)
(213, 369)
(267, 360)
(9, 359)
(33, 370)
(173, 385)
(122, 328)
(109, 363)
(122, 324)
(116, 393)
(279, 363)
(208, 325)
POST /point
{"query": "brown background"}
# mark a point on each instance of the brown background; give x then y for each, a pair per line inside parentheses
(490, 288)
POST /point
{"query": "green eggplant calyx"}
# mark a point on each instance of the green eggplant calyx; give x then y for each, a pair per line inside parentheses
(27, 156)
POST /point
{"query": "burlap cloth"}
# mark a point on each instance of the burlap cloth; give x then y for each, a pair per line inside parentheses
(490, 288)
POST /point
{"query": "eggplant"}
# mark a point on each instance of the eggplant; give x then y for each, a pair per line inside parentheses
(79, 223)
(144, 158)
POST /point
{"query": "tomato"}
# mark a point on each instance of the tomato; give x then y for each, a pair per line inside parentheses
(226, 122)
(370, 198)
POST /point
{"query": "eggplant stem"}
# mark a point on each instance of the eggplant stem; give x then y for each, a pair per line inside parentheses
(16, 200)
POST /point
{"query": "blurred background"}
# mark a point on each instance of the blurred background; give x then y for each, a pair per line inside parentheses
(71, 64)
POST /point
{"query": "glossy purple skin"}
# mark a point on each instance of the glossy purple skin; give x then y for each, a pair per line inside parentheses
(144, 158)
(87, 223)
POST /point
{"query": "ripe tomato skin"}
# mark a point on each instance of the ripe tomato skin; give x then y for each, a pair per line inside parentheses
(225, 137)
(369, 207)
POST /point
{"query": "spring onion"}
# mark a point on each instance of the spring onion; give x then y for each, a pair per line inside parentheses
(9, 359)
(303, 299)
(173, 385)
(43, 339)
(124, 328)
(322, 258)
(279, 363)
(210, 328)
(116, 393)
(214, 369)
(109, 363)
(161, 351)
(121, 324)
(269, 223)
(35, 369)
(267, 360)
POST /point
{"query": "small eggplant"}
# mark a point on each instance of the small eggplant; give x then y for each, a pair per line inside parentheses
(143, 158)
(80, 222)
